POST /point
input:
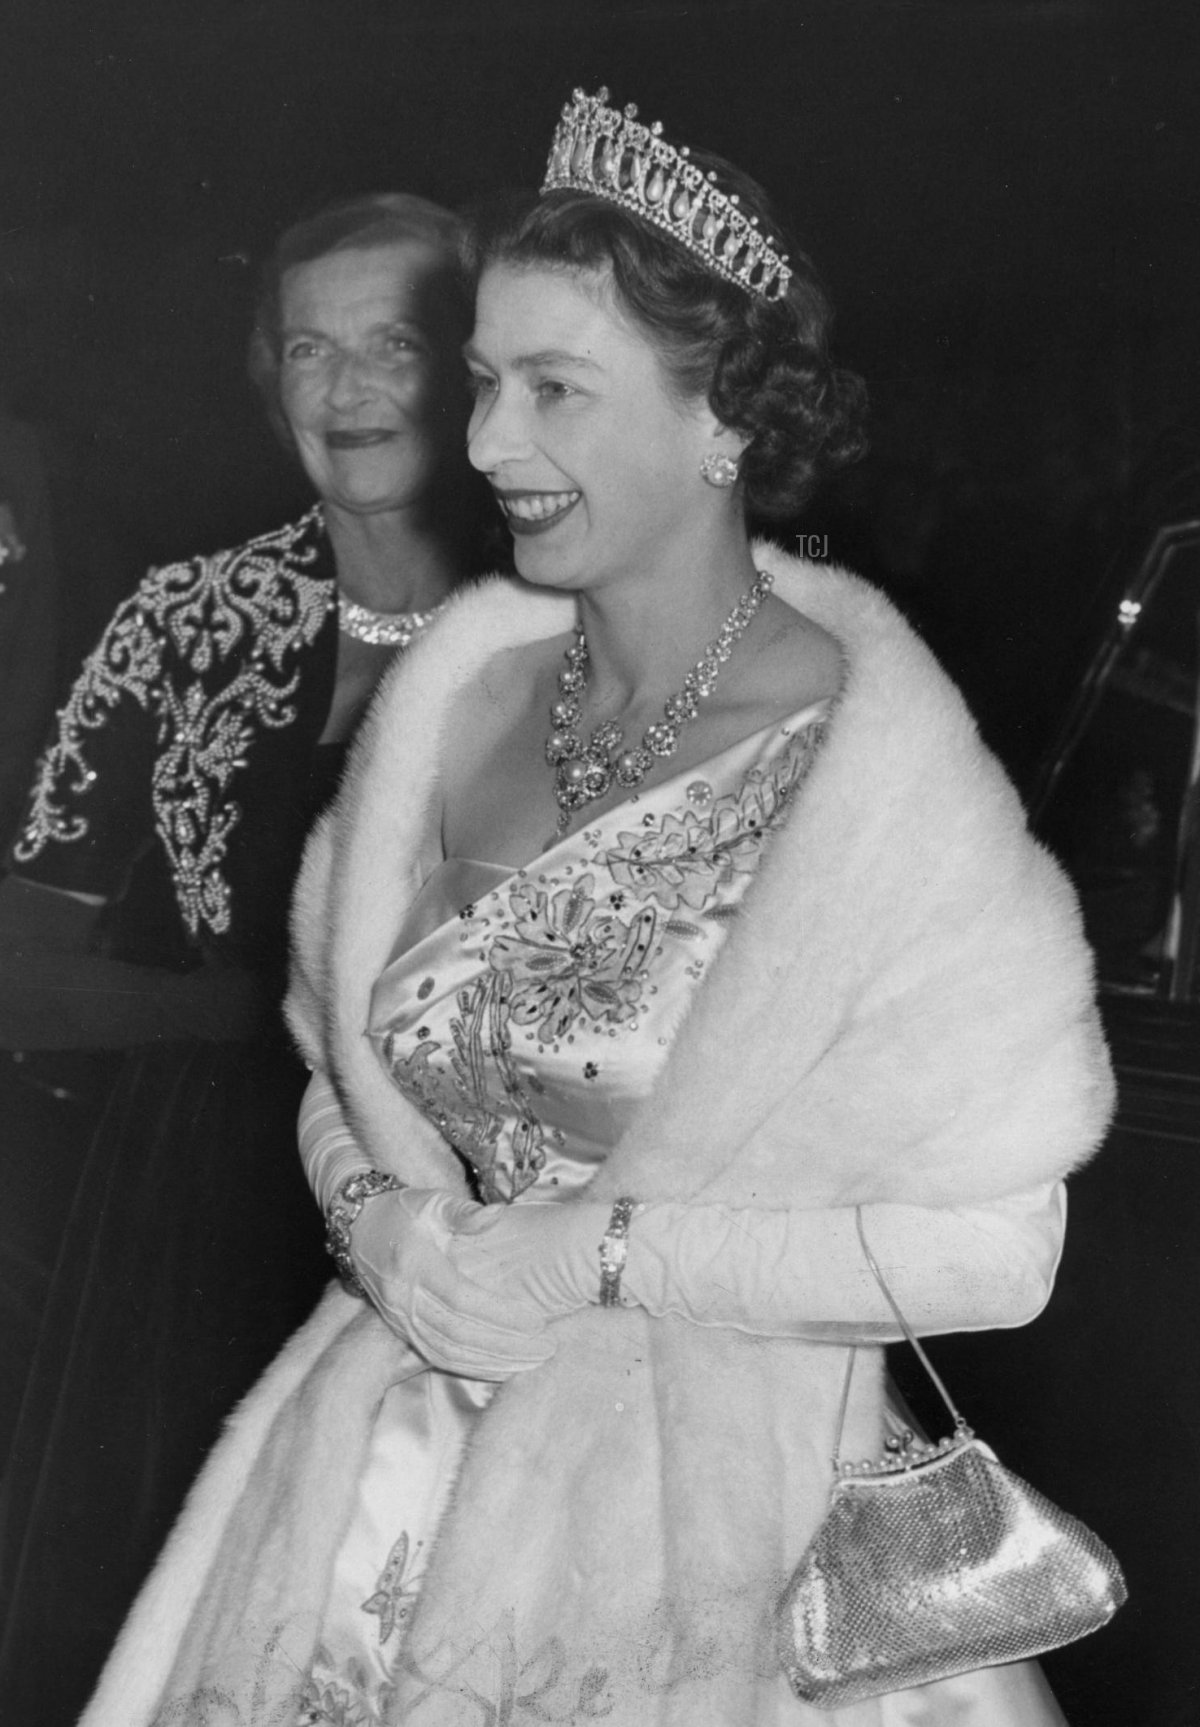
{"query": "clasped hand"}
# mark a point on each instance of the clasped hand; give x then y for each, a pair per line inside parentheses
(471, 1287)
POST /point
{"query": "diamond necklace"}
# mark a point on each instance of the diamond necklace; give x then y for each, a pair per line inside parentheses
(381, 629)
(584, 772)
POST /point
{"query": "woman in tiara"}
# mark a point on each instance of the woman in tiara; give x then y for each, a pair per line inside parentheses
(146, 912)
(673, 922)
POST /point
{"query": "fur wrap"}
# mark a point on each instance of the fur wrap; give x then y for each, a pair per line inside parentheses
(903, 1012)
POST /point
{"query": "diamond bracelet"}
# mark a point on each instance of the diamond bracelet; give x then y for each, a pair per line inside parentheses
(344, 1208)
(614, 1250)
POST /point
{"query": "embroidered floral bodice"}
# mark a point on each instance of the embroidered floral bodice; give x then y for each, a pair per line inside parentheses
(528, 1011)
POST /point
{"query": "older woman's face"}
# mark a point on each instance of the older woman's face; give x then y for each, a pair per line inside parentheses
(364, 373)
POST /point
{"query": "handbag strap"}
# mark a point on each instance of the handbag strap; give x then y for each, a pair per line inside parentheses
(910, 1337)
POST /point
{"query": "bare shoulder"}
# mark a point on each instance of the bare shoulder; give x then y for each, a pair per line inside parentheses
(504, 683)
(495, 704)
(495, 787)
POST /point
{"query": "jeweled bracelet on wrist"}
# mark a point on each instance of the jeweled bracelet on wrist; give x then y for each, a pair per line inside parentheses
(614, 1250)
(344, 1208)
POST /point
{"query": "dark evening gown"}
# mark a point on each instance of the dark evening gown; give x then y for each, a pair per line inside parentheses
(185, 775)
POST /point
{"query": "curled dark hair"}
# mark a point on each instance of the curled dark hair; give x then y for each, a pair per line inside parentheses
(764, 366)
(353, 225)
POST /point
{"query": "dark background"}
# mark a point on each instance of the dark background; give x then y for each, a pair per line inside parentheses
(1003, 197)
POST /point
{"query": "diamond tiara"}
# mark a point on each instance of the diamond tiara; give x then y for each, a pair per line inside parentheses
(609, 153)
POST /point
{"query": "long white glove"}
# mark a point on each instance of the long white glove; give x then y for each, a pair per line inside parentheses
(547, 1250)
(769, 1273)
(780, 1273)
(399, 1246)
(399, 1243)
(328, 1150)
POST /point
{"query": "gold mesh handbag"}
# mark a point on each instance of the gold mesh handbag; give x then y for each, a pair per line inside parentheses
(936, 1561)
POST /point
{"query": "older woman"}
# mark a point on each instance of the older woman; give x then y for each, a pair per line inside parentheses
(691, 922)
(146, 911)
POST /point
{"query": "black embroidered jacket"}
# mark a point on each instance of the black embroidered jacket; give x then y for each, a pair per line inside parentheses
(191, 730)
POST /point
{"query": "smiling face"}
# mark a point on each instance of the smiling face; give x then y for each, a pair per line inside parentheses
(363, 373)
(595, 462)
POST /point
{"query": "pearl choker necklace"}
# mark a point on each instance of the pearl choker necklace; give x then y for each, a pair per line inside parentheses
(382, 629)
(584, 772)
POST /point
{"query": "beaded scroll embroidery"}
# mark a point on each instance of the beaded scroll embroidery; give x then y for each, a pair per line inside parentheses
(205, 646)
(570, 958)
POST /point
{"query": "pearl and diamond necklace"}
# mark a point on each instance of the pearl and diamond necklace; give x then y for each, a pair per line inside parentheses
(584, 772)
